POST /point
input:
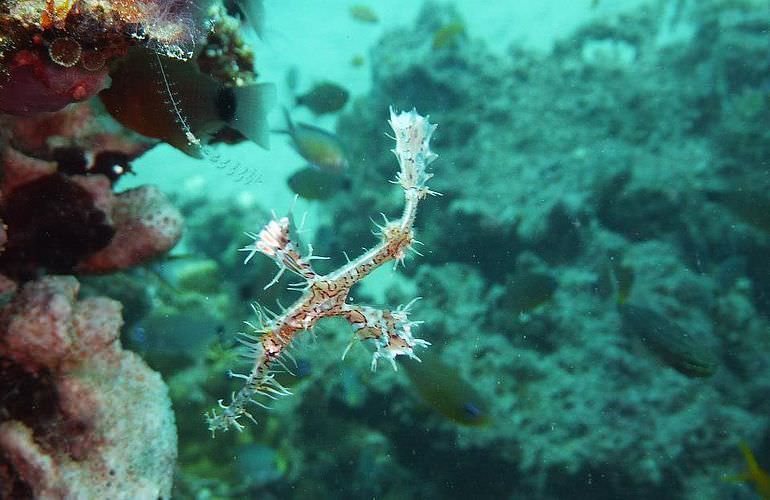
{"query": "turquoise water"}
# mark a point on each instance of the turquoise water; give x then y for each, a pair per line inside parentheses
(574, 294)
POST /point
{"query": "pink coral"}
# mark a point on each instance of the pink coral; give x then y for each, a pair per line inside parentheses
(58, 202)
(146, 225)
(106, 430)
(77, 126)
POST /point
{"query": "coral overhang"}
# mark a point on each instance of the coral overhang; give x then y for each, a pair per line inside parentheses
(56, 52)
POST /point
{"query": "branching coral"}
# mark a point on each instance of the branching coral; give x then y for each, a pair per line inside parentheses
(325, 296)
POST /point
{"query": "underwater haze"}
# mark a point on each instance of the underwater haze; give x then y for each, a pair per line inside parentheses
(385, 250)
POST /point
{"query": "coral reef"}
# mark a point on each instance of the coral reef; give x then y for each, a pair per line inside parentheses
(78, 415)
(226, 56)
(579, 180)
(146, 225)
(58, 204)
(597, 158)
(594, 281)
(61, 157)
(78, 411)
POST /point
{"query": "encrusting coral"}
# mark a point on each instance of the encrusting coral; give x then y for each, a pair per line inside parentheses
(52, 54)
(146, 225)
(57, 200)
(325, 296)
(78, 411)
(79, 416)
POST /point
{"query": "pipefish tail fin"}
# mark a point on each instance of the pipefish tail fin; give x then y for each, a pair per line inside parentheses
(252, 105)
